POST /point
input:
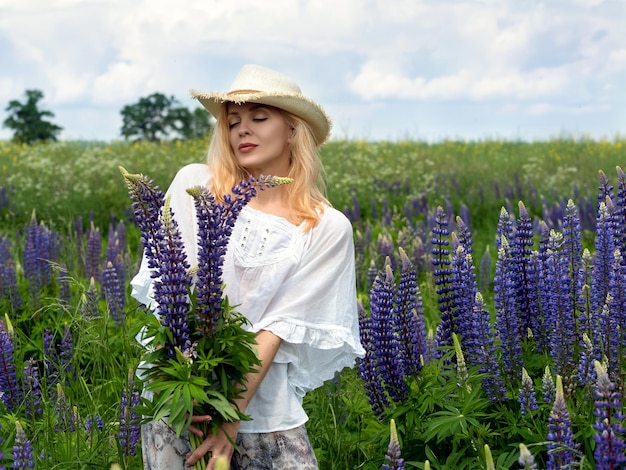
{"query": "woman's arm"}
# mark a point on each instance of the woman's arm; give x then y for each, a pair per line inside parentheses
(220, 443)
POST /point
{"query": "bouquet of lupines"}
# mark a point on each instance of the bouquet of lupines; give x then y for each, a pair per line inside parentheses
(199, 351)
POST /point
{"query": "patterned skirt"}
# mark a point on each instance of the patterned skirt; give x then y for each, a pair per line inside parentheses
(283, 450)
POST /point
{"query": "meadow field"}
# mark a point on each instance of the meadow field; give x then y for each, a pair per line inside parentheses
(490, 275)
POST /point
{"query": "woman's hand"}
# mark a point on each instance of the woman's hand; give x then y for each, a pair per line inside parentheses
(218, 444)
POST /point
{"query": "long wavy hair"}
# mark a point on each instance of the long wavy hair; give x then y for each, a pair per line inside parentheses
(306, 195)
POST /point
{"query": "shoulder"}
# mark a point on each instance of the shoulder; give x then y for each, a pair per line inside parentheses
(194, 174)
(334, 224)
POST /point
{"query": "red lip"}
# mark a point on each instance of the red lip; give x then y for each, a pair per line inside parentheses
(246, 147)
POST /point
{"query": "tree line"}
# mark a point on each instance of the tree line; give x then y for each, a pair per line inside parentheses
(153, 118)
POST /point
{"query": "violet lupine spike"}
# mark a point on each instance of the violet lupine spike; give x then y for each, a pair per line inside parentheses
(130, 422)
(51, 359)
(385, 247)
(22, 449)
(603, 261)
(507, 322)
(367, 366)
(461, 366)
(484, 284)
(464, 235)
(586, 317)
(610, 447)
(562, 451)
(215, 226)
(113, 292)
(89, 301)
(94, 248)
(527, 398)
(63, 282)
(442, 274)
(492, 380)
(409, 315)
(393, 457)
(547, 386)
(526, 301)
(389, 359)
(164, 250)
(605, 188)
(620, 209)
(66, 354)
(8, 276)
(65, 419)
(504, 229)
(464, 284)
(586, 373)
(526, 459)
(32, 389)
(11, 393)
(560, 321)
(608, 332)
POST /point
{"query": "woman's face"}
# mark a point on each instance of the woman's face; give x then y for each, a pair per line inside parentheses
(260, 138)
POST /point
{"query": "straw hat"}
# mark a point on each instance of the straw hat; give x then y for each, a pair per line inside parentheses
(262, 85)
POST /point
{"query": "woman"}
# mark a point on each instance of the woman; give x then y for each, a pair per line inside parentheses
(289, 268)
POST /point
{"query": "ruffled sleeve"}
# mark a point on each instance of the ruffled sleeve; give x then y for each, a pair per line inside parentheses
(315, 309)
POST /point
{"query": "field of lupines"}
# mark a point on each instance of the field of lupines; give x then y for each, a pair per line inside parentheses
(491, 279)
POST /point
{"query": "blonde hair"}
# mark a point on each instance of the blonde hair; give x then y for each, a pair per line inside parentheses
(306, 197)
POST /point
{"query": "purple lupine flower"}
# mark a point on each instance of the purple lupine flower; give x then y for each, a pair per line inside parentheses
(94, 249)
(489, 366)
(130, 422)
(9, 389)
(89, 301)
(389, 359)
(561, 445)
(115, 251)
(527, 397)
(442, 274)
(586, 316)
(560, 320)
(22, 449)
(586, 372)
(507, 323)
(51, 359)
(66, 354)
(608, 331)
(393, 458)
(215, 225)
(164, 250)
(504, 229)
(113, 292)
(526, 459)
(39, 251)
(8, 277)
(385, 248)
(464, 284)
(93, 423)
(367, 366)
(547, 386)
(609, 452)
(32, 389)
(603, 261)
(620, 210)
(464, 234)
(409, 317)
(524, 273)
(372, 272)
(65, 418)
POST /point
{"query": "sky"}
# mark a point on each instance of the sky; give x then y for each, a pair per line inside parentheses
(426, 70)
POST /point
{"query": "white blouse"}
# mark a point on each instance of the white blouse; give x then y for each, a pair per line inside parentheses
(298, 285)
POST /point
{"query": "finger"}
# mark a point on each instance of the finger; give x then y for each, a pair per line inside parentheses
(201, 419)
(194, 430)
(203, 449)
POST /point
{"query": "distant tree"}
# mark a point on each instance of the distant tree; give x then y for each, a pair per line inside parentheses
(201, 123)
(28, 122)
(158, 117)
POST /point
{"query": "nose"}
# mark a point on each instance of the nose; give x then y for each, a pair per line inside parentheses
(243, 128)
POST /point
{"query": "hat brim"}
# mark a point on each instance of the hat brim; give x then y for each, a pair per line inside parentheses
(296, 104)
